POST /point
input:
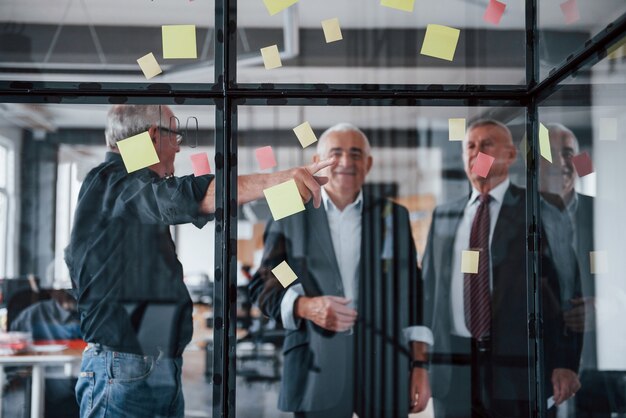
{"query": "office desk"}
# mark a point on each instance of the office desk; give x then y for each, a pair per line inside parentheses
(68, 358)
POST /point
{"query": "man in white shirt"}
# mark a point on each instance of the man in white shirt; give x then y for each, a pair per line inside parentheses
(479, 316)
(353, 317)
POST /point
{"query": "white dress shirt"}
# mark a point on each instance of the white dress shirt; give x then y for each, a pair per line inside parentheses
(345, 231)
(461, 243)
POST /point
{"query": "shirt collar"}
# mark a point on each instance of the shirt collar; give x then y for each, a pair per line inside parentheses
(497, 193)
(328, 203)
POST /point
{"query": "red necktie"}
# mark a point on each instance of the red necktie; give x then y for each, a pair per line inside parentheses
(476, 294)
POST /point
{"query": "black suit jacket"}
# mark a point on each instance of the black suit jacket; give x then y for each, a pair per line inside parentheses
(509, 329)
(389, 301)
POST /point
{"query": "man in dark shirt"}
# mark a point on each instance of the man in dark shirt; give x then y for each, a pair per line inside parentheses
(134, 308)
(52, 319)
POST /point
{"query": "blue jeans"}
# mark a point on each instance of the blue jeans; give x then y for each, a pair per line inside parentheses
(114, 384)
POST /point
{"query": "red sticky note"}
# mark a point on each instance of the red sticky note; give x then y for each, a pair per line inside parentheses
(582, 163)
(200, 163)
(482, 164)
(494, 12)
(265, 157)
(570, 11)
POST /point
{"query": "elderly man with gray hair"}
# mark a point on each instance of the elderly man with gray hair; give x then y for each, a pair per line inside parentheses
(354, 340)
(135, 312)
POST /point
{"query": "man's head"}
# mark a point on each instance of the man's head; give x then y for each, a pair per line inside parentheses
(124, 121)
(559, 177)
(350, 147)
(492, 138)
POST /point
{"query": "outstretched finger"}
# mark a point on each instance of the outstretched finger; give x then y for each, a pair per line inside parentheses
(320, 165)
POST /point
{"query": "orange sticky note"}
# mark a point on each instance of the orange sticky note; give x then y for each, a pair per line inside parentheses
(404, 5)
(284, 274)
(469, 261)
(284, 199)
(456, 129)
(582, 163)
(265, 157)
(494, 12)
(137, 152)
(482, 164)
(440, 42)
(544, 142)
(305, 134)
(332, 31)
(179, 41)
(570, 11)
(275, 6)
(200, 163)
(149, 66)
(271, 57)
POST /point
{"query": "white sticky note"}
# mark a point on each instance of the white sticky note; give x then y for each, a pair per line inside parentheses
(456, 129)
(271, 57)
(608, 129)
(149, 66)
(284, 274)
(179, 41)
(544, 143)
(305, 134)
(137, 152)
(332, 31)
(284, 199)
(469, 261)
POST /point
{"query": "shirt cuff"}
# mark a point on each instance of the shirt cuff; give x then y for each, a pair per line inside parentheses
(419, 333)
(287, 305)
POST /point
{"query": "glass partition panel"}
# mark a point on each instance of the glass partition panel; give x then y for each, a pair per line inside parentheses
(382, 45)
(86, 41)
(140, 277)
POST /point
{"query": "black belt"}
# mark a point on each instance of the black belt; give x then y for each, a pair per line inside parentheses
(483, 345)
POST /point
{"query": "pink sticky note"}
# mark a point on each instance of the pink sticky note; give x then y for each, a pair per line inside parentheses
(570, 11)
(200, 163)
(494, 12)
(265, 157)
(482, 164)
(582, 163)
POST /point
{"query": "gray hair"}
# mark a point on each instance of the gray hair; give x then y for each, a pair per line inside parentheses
(128, 120)
(559, 129)
(341, 127)
(491, 122)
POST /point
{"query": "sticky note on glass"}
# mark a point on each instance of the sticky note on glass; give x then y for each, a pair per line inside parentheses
(570, 11)
(265, 157)
(284, 274)
(332, 31)
(482, 164)
(404, 5)
(494, 12)
(305, 134)
(271, 57)
(469, 261)
(138, 152)
(179, 41)
(149, 66)
(608, 129)
(598, 262)
(275, 6)
(200, 163)
(284, 199)
(440, 42)
(544, 143)
(582, 163)
(456, 129)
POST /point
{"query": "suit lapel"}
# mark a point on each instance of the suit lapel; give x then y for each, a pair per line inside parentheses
(510, 216)
(452, 219)
(319, 230)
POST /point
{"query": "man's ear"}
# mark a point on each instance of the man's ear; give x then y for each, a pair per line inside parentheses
(370, 161)
(152, 132)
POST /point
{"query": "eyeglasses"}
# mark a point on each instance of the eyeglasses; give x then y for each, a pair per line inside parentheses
(173, 136)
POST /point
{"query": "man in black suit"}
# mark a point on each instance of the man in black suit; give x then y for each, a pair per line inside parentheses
(353, 315)
(479, 318)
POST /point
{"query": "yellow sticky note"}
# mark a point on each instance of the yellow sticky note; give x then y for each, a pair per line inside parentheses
(305, 134)
(440, 42)
(284, 199)
(179, 41)
(137, 152)
(271, 57)
(456, 129)
(405, 5)
(284, 274)
(608, 129)
(544, 143)
(469, 261)
(598, 262)
(275, 6)
(332, 31)
(149, 66)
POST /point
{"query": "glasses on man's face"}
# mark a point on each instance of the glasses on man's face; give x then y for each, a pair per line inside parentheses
(174, 137)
